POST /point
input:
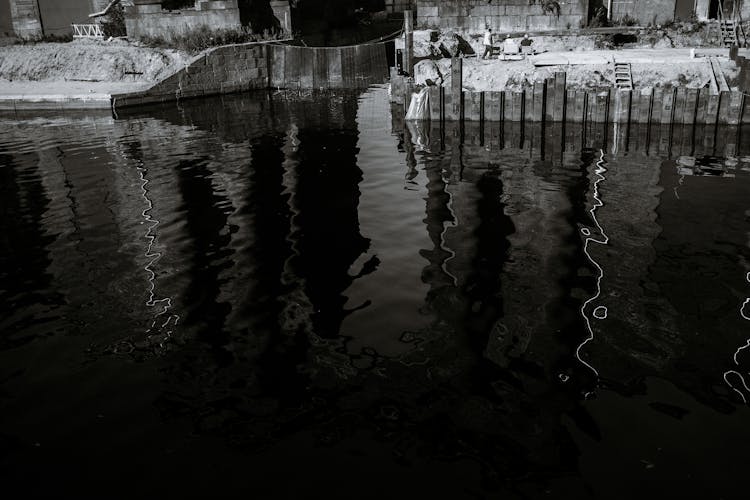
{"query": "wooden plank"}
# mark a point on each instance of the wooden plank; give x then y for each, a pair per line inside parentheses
(590, 106)
(645, 105)
(278, 67)
(320, 69)
(600, 107)
(560, 97)
(306, 68)
(678, 108)
(435, 104)
(723, 112)
(449, 108)
(657, 106)
(579, 114)
(701, 106)
(549, 100)
(570, 106)
(492, 106)
(691, 103)
(518, 99)
(335, 71)
(528, 104)
(635, 106)
(457, 88)
(734, 109)
(472, 106)
(712, 109)
(621, 106)
(348, 71)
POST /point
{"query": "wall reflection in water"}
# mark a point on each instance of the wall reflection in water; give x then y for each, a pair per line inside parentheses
(299, 272)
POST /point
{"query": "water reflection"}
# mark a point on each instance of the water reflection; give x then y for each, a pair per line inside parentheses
(329, 289)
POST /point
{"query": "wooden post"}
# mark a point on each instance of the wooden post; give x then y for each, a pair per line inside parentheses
(409, 43)
(457, 101)
(435, 104)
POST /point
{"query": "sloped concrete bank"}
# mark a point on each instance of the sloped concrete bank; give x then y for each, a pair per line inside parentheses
(221, 70)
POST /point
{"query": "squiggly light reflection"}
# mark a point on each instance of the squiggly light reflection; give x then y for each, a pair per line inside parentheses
(736, 372)
(155, 328)
(601, 311)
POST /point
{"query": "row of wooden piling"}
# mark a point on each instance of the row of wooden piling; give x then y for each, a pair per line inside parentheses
(552, 100)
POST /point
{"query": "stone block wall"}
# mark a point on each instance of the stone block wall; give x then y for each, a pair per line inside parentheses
(645, 11)
(396, 6)
(504, 16)
(223, 70)
(148, 19)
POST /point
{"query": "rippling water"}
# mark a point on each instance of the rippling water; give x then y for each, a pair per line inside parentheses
(298, 295)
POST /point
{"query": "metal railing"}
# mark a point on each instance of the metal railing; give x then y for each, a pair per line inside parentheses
(87, 31)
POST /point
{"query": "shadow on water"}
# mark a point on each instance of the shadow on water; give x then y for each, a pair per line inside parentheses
(355, 298)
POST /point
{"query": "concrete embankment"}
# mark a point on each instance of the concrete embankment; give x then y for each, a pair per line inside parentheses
(222, 70)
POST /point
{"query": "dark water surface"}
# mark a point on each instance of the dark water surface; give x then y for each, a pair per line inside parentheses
(298, 297)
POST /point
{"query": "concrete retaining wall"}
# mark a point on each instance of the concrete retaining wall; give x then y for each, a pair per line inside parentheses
(262, 65)
(500, 15)
(354, 67)
(552, 101)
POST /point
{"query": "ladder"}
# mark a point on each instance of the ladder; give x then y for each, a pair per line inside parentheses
(728, 32)
(623, 76)
(727, 27)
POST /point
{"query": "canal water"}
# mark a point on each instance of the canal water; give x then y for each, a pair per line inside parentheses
(299, 296)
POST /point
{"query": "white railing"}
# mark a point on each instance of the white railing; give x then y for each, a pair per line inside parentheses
(87, 31)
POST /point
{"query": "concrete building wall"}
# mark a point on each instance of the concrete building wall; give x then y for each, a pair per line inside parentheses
(500, 15)
(58, 15)
(645, 11)
(147, 19)
(6, 23)
(396, 6)
(25, 18)
(283, 13)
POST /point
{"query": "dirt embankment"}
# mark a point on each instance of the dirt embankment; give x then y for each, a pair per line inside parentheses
(88, 60)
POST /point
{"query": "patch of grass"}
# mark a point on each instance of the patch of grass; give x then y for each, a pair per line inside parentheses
(204, 37)
(49, 38)
(628, 20)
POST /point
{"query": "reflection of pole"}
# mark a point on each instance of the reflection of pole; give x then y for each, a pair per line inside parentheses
(409, 43)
